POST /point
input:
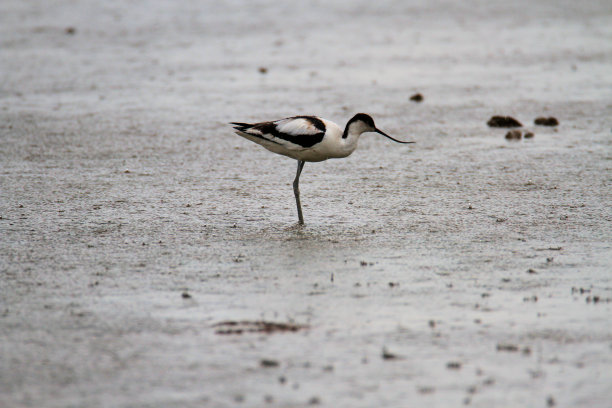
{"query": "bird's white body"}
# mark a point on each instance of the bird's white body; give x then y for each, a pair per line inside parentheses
(331, 146)
(308, 138)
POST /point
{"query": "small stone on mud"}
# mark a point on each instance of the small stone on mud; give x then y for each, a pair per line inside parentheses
(507, 347)
(186, 295)
(70, 30)
(393, 284)
(268, 363)
(531, 271)
(426, 390)
(503, 122)
(314, 401)
(453, 365)
(580, 290)
(528, 135)
(489, 381)
(282, 379)
(417, 97)
(514, 135)
(432, 324)
(597, 299)
(550, 402)
(550, 121)
(387, 355)
(263, 70)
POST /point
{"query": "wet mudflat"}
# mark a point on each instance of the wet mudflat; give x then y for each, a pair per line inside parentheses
(149, 256)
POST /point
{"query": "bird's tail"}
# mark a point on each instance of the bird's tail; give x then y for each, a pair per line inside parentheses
(241, 126)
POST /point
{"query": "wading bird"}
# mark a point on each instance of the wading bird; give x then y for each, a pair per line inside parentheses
(308, 138)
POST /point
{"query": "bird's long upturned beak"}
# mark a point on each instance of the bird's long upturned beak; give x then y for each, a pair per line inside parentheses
(386, 135)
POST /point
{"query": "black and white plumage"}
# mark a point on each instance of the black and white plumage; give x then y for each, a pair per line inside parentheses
(308, 138)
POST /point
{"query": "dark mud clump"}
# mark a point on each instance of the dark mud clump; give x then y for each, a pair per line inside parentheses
(504, 122)
(513, 348)
(266, 362)
(387, 355)
(580, 290)
(417, 97)
(596, 299)
(260, 326)
(263, 70)
(508, 347)
(453, 365)
(550, 121)
(528, 135)
(514, 135)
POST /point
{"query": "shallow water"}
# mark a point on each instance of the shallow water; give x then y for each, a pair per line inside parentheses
(474, 260)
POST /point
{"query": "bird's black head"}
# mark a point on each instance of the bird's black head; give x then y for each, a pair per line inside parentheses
(363, 122)
(365, 118)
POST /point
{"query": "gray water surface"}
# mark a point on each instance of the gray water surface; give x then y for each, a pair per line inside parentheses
(133, 221)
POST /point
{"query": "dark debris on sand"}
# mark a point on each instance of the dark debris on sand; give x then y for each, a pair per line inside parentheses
(514, 135)
(550, 121)
(504, 122)
(259, 326)
(387, 355)
(417, 97)
(267, 363)
(453, 365)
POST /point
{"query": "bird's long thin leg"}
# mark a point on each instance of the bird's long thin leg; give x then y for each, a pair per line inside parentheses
(296, 190)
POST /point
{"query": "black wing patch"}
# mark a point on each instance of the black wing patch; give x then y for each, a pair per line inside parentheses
(270, 131)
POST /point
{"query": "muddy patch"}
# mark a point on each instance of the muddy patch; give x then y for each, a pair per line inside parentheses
(504, 122)
(231, 327)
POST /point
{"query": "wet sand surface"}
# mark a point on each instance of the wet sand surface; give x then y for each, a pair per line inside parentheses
(141, 241)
